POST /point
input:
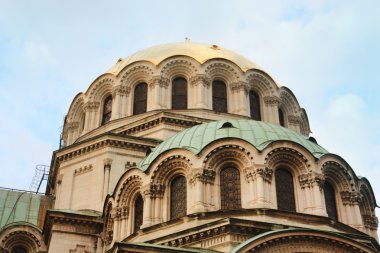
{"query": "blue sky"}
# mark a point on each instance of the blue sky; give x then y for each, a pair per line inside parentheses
(326, 52)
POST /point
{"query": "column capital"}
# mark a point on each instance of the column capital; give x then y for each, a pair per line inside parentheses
(202, 175)
(271, 100)
(311, 179)
(107, 163)
(121, 90)
(253, 172)
(200, 79)
(91, 106)
(350, 198)
(158, 81)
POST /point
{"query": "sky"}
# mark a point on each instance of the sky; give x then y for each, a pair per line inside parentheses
(326, 51)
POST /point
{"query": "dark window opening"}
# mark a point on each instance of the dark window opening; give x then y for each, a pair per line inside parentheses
(19, 250)
(281, 117)
(179, 93)
(330, 201)
(219, 96)
(107, 110)
(285, 190)
(178, 197)
(230, 191)
(254, 103)
(139, 208)
(140, 98)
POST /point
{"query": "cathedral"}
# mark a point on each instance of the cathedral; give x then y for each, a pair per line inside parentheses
(190, 147)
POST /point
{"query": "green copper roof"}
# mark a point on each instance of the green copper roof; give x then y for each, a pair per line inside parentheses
(21, 207)
(258, 133)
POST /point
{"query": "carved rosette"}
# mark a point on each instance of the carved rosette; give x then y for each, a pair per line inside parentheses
(271, 100)
(200, 79)
(251, 173)
(311, 179)
(202, 175)
(350, 198)
(154, 190)
(121, 90)
(91, 106)
(371, 222)
(159, 81)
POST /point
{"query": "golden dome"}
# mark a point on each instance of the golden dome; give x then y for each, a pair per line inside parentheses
(198, 51)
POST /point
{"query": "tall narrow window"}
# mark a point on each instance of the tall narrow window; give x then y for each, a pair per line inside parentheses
(330, 201)
(285, 190)
(178, 197)
(219, 96)
(107, 110)
(281, 117)
(230, 194)
(254, 104)
(179, 93)
(140, 98)
(139, 208)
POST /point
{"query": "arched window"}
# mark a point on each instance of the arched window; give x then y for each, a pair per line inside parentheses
(140, 98)
(285, 190)
(178, 197)
(230, 194)
(219, 96)
(254, 104)
(179, 93)
(19, 250)
(330, 201)
(138, 213)
(107, 110)
(281, 117)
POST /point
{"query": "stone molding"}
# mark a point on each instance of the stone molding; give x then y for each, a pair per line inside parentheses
(159, 81)
(287, 155)
(240, 86)
(70, 126)
(121, 90)
(295, 120)
(153, 190)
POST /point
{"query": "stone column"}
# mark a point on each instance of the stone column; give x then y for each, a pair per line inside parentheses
(157, 194)
(72, 132)
(58, 191)
(259, 178)
(294, 123)
(157, 98)
(107, 170)
(270, 109)
(199, 88)
(240, 98)
(200, 182)
(147, 213)
(120, 93)
(351, 201)
(91, 109)
(312, 184)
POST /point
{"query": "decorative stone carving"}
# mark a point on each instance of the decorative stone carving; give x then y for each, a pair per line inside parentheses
(261, 83)
(371, 222)
(339, 173)
(310, 179)
(121, 90)
(72, 125)
(203, 175)
(154, 190)
(295, 120)
(224, 153)
(350, 198)
(290, 156)
(160, 81)
(200, 79)
(80, 249)
(251, 173)
(271, 100)
(239, 86)
(83, 170)
(91, 106)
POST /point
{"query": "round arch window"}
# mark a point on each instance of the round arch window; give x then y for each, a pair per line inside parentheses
(19, 250)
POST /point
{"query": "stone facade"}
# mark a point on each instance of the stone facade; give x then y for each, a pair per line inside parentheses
(168, 180)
